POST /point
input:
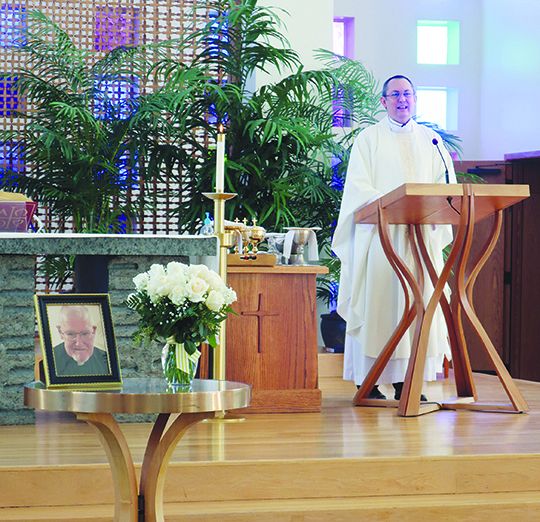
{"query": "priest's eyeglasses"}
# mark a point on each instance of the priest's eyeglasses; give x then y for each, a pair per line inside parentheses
(82, 335)
(396, 95)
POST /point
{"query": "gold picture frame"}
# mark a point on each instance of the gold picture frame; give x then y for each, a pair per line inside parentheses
(77, 341)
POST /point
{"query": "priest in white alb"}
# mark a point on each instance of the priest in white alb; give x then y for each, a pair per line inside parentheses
(394, 151)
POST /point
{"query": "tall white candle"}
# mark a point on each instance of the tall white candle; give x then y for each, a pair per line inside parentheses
(220, 162)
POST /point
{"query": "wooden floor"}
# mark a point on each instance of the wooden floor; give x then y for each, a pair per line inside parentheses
(344, 463)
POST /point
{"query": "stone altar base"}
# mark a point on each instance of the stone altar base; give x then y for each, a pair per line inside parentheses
(128, 255)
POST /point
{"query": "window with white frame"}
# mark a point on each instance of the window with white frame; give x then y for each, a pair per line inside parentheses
(437, 42)
(437, 105)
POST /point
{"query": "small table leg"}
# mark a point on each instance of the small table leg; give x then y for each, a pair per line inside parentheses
(159, 449)
(161, 444)
(121, 463)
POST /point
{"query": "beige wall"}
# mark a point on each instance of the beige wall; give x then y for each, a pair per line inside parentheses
(386, 44)
(308, 26)
(510, 75)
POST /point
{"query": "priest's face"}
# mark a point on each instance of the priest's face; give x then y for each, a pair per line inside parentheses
(399, 100)
(78, 336)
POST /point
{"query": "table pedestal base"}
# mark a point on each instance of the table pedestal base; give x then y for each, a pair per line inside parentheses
(146, 504)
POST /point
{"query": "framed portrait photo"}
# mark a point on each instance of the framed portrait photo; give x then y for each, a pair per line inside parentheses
(77, 341)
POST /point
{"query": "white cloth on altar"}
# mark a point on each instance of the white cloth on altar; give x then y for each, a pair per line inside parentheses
(371, 300)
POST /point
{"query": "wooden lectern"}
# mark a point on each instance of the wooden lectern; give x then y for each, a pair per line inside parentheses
(417, 204)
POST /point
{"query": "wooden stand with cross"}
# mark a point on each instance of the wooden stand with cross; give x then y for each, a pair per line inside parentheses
(272, 341)
(415, 204)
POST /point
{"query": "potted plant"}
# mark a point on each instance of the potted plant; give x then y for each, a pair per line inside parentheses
(183, 307)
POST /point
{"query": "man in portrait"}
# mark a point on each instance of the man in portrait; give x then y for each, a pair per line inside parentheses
(77, 355)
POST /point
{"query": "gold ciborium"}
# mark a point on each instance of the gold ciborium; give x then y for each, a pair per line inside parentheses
(236, 228)
(256, 235)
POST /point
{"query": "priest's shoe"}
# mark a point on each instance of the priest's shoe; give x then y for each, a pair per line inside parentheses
(398, 387)
(375, 393)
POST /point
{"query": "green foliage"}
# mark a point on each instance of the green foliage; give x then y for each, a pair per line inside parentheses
(285, 158)
(280, 139)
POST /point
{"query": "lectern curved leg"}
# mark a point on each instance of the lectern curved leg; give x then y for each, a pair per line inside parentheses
(121, 464)
(405, 277)
(462, 369)
(160, 447)
(410, 398)
(465, 290)
(484, 255)
(445, 305)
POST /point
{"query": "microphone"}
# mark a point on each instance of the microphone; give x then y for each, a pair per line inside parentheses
(435, 142)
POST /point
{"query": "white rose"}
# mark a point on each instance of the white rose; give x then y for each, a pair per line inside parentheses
(197, 271)
(178, 294)
(215, 301)
(196, 289)
(156, 271)
(176, 269)
(176, 281)
(229, 296)
(215, 281)
(141, 281)
(158, 285)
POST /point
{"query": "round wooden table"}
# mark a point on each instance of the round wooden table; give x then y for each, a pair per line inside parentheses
(145, 395)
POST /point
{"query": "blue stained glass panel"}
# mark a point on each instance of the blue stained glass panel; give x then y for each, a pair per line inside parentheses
(219, 35)
(115, 97)
(341, 106)
(337, 182)
(13, 25)
(9, 96)
(11, 158)
(128, 171)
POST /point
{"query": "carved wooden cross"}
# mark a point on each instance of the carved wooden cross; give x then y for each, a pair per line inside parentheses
(259, 313)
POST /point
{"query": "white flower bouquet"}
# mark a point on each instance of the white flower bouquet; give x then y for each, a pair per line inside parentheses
(182, 305)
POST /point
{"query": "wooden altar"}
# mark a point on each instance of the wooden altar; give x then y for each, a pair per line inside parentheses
(417, 204)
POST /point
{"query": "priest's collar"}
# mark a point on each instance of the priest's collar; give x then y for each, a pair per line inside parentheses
(396, 126)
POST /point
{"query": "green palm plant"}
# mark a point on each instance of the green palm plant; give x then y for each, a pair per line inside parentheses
(280, 140)
(85, 149)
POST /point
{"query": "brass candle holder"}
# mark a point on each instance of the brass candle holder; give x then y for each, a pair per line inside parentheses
(226, 241)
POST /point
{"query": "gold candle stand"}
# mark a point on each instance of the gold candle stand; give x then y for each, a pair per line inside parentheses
(226, 241)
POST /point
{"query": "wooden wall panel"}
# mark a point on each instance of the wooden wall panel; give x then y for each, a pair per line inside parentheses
(489, 288)
(524, 294)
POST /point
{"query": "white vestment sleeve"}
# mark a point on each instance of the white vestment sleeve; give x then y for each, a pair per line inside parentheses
(350, 238)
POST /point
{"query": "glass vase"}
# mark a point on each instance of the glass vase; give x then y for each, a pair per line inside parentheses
(179, 367)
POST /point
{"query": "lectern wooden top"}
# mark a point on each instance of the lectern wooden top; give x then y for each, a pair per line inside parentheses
(436, 203)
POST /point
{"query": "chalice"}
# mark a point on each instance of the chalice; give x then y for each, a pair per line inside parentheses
(299, 241)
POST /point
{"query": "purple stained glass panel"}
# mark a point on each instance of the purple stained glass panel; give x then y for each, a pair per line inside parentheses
(343, 44)
(115, 27)
(13, 24)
